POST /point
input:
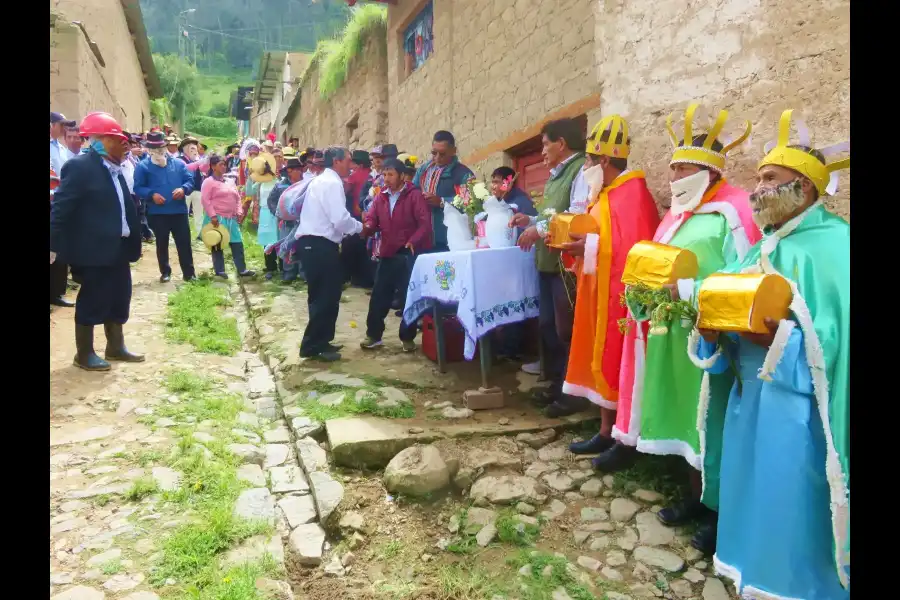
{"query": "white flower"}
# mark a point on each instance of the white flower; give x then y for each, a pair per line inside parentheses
(548, 212)
(480, 190)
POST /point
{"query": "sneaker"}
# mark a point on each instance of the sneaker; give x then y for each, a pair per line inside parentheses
(370, 344)
(532, 368)
(409, 346)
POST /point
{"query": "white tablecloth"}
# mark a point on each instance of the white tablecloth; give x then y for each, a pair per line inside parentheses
(491, 286)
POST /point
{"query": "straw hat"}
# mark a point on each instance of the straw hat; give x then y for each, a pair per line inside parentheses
(258, 168)
(213, 236)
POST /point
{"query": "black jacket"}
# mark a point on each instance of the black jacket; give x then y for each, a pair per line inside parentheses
(86, 217)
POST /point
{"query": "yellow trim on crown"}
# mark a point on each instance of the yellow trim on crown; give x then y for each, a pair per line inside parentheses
(704, 155)
(615, 124)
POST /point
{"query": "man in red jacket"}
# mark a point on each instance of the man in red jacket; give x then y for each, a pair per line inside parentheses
(403, 217)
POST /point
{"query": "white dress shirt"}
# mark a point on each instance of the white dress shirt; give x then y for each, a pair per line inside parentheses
(325, 210)
(578, 196)
(59, 154)
(114, 171)
(128, 173)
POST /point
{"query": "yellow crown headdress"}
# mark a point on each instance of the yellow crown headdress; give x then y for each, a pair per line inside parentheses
(824, 176)
(615, 125)
(703, 155)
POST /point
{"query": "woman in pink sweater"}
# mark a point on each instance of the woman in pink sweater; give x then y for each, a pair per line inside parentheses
(222, 206)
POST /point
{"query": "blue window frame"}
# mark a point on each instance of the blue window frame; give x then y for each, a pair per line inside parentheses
(418, 40)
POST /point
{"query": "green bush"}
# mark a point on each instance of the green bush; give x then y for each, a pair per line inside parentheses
(212, 126)
(220, 110)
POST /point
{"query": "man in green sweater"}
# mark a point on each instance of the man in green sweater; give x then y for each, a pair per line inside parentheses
(566, 191)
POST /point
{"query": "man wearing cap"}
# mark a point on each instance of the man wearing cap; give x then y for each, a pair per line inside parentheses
(357, 266)
(59, 152)
(94, 227)
(784, 499)
(325, 223)
(164, 182)
(172, 145)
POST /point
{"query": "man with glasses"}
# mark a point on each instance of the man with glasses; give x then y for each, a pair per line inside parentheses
(437, 179)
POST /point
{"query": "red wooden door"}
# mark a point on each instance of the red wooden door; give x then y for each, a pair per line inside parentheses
(533, 174)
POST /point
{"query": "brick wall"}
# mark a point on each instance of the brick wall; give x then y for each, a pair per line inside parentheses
(362, 101)
(105, 22)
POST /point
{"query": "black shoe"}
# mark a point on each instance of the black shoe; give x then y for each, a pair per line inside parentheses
(60, 301)
(115, 345)
(190, 278)
(85, 357)
(595, 445)
(334, 347)
(325, 356)
(678, 514)
(545, 396)
(615, 459)
(398, 313)
(165, 278)
(247, 273)
(395, 305)
(567, 405)
(705, 538)
(222, 275)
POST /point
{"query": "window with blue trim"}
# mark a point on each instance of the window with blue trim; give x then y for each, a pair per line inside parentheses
(418, 40)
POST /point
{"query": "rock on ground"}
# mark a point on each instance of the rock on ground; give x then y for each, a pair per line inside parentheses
(253, 549)
(141, 596)
(298, 510)
(252, 474)
(537, 440)
(80, 592)
(276, 455)
(166, 479)
(417, 471)
(591, 488)
(486, 535)
(395, 395)
(714, 589)
(593, 513)
(248, 453)
(354, 521)
(457, 413)
(288, 479)
(589, 563)
(327, 494)
(307, 542)
(648, 496)
(553, 452)
(623, 509)
(255, 504)
(506, 489)
(104, 557)
(304, 426)
(652, 532)
(558, 481)
(657, 557)
(311, 456)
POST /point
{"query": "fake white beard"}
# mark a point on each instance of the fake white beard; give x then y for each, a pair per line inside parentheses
(158, 156)
(191, 152)
(772, 206)
(593, 176)
(688, 192)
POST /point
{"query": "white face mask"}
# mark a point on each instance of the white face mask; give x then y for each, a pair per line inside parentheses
(593, 176)
(688, 192)
(158, 156)
(772, 206)
(191, 152)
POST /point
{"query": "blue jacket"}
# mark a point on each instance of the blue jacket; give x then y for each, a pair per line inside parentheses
(453, 175)
(86, 217)
(150, 179)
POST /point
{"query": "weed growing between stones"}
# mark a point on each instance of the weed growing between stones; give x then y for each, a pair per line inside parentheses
(112, 567)
(537, 586)
(238, 583)
(194, 316)
(140, 489)
(388, 550)
(512, 530)
(667, 475)
(461, 582)
(317, 411)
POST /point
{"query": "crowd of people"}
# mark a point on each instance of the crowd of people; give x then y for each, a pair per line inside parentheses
(768, 447)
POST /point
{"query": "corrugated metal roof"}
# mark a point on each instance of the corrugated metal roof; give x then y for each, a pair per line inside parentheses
(271, 67)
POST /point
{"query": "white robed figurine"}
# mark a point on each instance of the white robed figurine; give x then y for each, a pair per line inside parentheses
(459, 233)
(496, 229)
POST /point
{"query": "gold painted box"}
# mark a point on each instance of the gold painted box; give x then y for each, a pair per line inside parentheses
(656, 265)
(562, 224)
(742, 301)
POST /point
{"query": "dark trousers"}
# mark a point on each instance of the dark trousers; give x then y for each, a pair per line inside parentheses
(356, 262)
(180, 228)
(237, 255)
(391, 273)
(271, 262)
(59, 272)
(321, 262)
(145, 228)
(556, 317)
(105, 293)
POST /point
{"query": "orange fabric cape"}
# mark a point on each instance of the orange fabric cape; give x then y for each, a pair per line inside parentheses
(626, 214)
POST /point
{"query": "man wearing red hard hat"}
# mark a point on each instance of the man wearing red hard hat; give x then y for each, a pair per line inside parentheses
(94, 227)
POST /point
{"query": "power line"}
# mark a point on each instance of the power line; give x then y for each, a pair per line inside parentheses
(237, 37)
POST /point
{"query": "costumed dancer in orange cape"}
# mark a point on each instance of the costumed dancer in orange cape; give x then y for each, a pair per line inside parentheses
(625, 213)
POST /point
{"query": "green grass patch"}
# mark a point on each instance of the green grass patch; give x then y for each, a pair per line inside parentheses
(334, 56)
(513, 531)
(537, 586)
(388, 550)
(112, 567)
(140, 489)
(320, 412)
(186, 382)
(236, 583)
(253, 252)
(102, 499)
(464, 582)
(195, 317)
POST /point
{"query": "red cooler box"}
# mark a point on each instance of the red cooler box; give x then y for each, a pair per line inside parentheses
(454, 338)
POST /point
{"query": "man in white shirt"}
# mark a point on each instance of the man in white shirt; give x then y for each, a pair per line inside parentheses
(59, 153)
(325, 223)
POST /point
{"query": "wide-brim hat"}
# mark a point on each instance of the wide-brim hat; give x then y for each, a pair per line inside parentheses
(293, 162)
(155, 139)
(258, 168)
(172, 139)
(213, 236)
(360, 156)
(288, 151)
(389, 151)
(187, 140)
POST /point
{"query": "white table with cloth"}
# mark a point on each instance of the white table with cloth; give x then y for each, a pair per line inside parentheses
(490, 287)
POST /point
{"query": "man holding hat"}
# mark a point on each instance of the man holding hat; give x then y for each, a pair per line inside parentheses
(94, 227)
(59, 152)
(163, 182)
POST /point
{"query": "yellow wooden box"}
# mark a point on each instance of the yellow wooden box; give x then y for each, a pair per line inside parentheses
(656, 265)
(562, 224)
(742, 301)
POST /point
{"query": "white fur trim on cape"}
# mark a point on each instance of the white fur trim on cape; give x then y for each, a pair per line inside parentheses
(586, 392)
(728, 571)
(671, 447)
(776, 350)
(666, 237)
(685, 289)
(591, 249)
(815, 357)
(727, 210)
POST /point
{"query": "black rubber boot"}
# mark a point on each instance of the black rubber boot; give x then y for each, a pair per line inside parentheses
(705, 538)
(595, 445)
(678, 514)
(115, 345)
(85, 357)
(567, 405)
(615, 459)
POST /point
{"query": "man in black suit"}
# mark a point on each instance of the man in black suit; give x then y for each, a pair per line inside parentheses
(94, 227)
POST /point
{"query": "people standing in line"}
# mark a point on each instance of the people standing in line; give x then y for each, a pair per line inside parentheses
(565, 191)
(262, 181)
(59, 151)
(94, 227)
(437, 179)
(221, 203)
(163, 183)
(403, 218)
(354, 256)
(324, 224)
(784, 500)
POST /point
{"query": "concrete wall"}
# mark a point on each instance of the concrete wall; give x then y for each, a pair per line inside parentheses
(361, 101)
(754, 58)
(123, 92)
(499, 69)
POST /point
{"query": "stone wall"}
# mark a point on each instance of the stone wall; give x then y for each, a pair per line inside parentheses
(105, 23)
(356, 114)
(499, 69)
(754, 58)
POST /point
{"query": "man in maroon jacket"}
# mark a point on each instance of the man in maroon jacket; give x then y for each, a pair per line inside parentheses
(403, 217)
